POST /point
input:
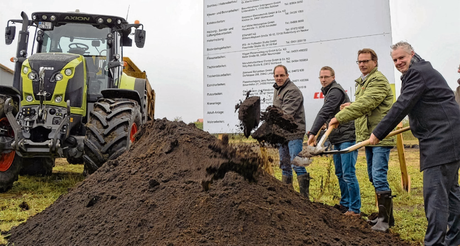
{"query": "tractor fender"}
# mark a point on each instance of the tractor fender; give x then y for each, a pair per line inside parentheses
(11, 92)
(121, 93)
(131, 88)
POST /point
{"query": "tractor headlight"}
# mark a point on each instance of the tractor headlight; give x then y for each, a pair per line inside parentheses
(68, 71)
(53, 18)
(59, 77)
(58, 99)
(25, 70)
(32, 75)
(29, 98)
(100, 20)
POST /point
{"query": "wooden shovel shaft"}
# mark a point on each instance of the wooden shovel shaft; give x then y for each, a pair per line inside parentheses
(366, 142)
(324, 137)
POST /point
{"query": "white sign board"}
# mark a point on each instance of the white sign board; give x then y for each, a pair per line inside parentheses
(245, 39)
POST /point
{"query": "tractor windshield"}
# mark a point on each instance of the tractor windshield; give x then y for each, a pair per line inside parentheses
(75, 38)
(82, 39)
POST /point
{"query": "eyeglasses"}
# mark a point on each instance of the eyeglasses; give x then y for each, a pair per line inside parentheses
(324, 77)
(364, 61)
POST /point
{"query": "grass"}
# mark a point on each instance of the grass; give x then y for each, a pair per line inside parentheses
(31, 195)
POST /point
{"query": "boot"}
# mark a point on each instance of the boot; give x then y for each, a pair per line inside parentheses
(374, 221)
(304, 185)
(287, 180)
(385, 219)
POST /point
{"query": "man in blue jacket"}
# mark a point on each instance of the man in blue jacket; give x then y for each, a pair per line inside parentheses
(435, 120)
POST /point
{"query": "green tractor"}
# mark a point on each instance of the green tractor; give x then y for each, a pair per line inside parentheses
(71, 97)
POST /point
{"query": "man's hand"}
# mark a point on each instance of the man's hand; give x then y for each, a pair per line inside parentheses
(344, 105)
(311, 140)
(373, 139)
(334, 123)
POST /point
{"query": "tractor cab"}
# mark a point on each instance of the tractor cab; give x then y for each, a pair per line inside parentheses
(98, 39)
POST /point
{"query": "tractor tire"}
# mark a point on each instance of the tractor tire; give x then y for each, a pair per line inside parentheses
(110, 131)
(40, 166)
(10, 165)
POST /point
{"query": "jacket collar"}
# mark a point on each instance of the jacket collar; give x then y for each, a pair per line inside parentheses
(361, 81)
(415, 59)
(326, 89)
(284, 85)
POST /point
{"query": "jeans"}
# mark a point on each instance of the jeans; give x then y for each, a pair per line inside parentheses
(377, 167)
(346, 174)
(287, 153)
(441, 196)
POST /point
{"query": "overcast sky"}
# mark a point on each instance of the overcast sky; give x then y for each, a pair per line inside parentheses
(173, 53)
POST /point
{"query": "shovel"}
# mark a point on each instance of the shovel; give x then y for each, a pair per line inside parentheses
(303, 158)
(363, 143)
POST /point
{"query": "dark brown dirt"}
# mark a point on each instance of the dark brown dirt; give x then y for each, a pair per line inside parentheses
(179, 185)
(276, 128)
(249, 114)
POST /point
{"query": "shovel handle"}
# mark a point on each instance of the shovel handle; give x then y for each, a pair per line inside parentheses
(324, 137)
(395, 132)
(365, 142)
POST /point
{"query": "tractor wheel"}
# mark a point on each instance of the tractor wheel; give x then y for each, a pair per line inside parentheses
(110, 131)
(10, 164)
(40, 166)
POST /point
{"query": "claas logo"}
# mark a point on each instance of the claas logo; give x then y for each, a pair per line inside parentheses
(320, 95)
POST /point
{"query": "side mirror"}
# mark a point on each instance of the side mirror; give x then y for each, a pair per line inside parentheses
(10, 32)
(139, 38)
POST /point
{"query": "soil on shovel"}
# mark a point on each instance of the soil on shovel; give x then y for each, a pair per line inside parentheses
(277, 127)
(179, 185)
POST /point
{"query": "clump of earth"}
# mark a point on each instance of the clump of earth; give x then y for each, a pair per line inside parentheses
(277, 127)
(179, 185)
(249, 114)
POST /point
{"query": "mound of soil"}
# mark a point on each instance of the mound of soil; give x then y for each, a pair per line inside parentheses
(179, 185)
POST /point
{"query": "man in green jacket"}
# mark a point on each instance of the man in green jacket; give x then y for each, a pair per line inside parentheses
(374, 99)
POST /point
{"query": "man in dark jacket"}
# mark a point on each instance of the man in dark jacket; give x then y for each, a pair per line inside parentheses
(290, 99)
(434, 119)
(341, 138)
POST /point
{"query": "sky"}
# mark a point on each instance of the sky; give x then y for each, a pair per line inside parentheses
(173, 52)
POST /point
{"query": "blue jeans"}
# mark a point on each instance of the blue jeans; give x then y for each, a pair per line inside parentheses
(377, 167)
(346, 174)
(441, 196)
(287, 153)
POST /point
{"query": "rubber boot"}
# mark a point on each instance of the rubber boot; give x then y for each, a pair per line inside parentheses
(385, 211)
(392, 219)
(374, 221)
(287, 180)
(304, 185)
